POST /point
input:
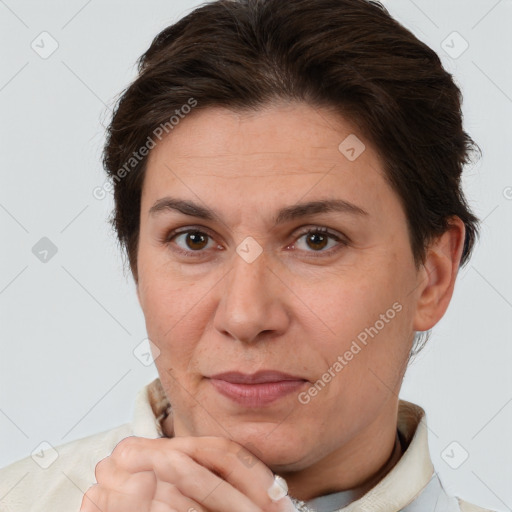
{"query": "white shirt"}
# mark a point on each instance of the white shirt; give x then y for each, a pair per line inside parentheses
(412, 485)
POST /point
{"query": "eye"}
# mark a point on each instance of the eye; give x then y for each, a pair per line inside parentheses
(318, 239)
(190, 241)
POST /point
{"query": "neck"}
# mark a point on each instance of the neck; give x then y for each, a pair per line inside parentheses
(357, 466)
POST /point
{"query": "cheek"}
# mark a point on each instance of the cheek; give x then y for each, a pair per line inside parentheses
(172, 320)
(345, 304)
(365, 319)
(165, 296)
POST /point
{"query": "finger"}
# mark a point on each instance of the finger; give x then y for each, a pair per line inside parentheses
(166, 497)
(112, 476)
(99, 499)
(193, 480)
(220, 455)
(144, 485)
(170, 494)
(89, 500)
(198, 483)
(238, 466)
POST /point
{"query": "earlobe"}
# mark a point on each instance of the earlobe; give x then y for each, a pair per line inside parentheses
(438, 275)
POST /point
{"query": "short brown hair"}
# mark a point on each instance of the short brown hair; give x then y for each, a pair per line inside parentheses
(350, 56)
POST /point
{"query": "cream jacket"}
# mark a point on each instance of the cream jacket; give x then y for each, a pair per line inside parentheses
(56, 479)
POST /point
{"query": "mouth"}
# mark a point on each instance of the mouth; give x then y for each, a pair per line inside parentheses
(258, 389)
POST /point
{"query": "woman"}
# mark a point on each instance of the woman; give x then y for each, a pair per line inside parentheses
(287, 188)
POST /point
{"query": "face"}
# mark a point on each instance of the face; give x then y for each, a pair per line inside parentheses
(327, 296)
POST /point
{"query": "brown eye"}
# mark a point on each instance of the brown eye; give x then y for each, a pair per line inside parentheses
(196, 240)
(317, 240)
(191, 242)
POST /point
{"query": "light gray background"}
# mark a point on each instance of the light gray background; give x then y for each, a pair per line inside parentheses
(69, 326)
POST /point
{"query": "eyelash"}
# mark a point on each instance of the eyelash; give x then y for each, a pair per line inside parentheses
(317, 230)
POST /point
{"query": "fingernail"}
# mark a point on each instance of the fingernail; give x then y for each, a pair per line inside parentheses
(278, 489)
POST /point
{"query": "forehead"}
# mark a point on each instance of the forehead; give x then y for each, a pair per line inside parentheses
(280, 153)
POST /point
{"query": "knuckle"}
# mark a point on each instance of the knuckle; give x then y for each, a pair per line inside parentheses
(174, 464)
(183, 476)
(125, 450)
(142, 484)
(91, 499)
(175, 458)
(101, 469)
(92, 492)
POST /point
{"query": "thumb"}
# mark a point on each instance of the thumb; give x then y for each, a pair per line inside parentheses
(278, 492)
(287, 505)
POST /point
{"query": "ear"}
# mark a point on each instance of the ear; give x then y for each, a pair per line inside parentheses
(437, 276)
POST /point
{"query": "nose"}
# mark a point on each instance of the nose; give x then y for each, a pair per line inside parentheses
(253, 303)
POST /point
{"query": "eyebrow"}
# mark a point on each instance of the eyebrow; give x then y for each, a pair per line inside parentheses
(287, 214)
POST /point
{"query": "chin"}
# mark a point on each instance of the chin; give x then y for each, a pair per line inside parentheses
(274, 445)
(287, 461)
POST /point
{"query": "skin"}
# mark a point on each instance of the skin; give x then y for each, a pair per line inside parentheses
(287, 310)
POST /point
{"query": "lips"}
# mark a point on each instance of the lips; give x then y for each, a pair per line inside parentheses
(260, 377)
(258, 389)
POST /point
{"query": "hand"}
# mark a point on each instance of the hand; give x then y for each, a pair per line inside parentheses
(181, 474)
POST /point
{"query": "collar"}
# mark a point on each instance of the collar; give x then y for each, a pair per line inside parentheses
(411, 474)
(400, 487)
(151, 407)
(337, 500)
